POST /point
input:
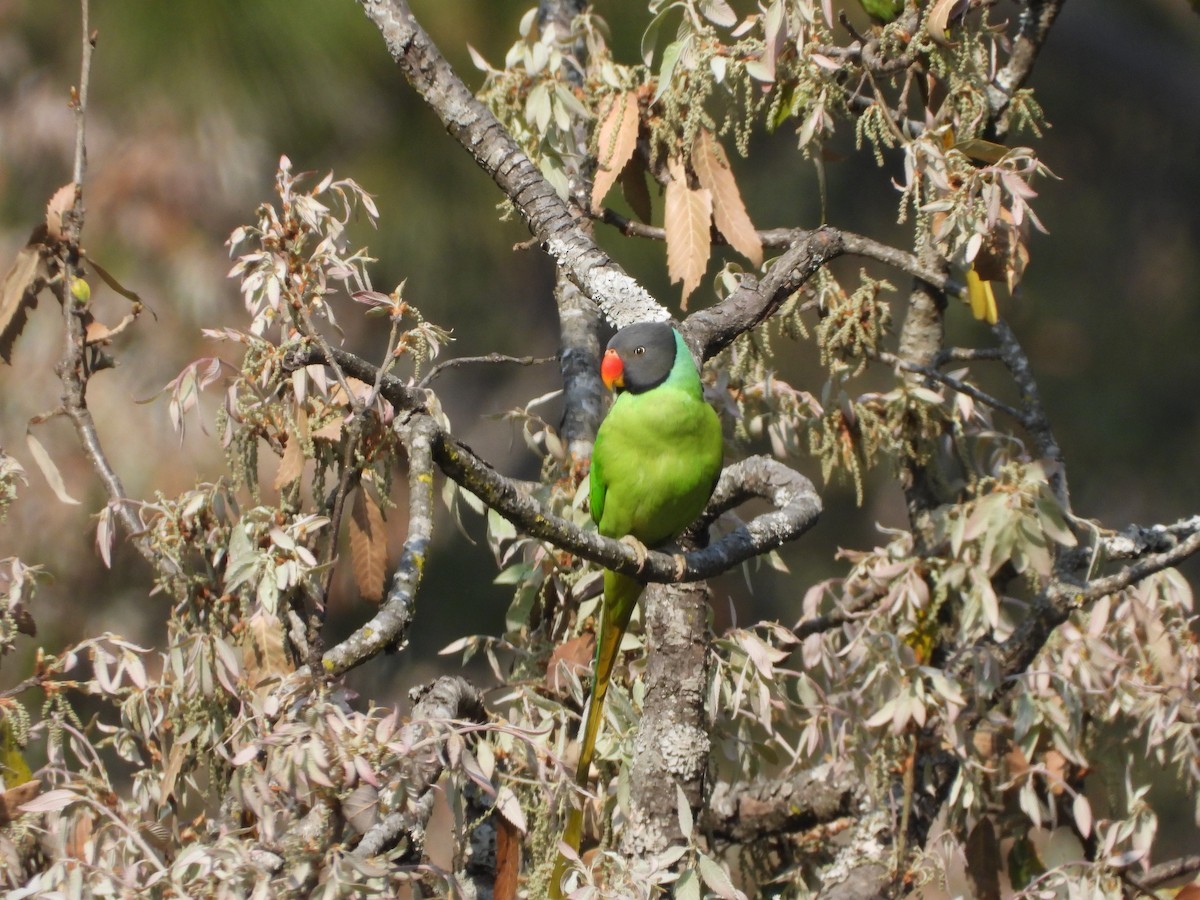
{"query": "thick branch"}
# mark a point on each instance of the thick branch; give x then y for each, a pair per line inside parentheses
(747, 812)
(671, 747)
(619, 296)
(388, 627)
(797, 508)
(447, 700)
(713, 329)
(1168, 871)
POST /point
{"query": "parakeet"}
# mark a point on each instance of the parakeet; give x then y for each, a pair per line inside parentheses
(655, 462)
(883, 11)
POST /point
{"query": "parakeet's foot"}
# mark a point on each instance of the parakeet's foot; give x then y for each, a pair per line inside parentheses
(680, 566)
(638, 547)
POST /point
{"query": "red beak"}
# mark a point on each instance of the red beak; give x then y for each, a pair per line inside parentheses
(612, 370)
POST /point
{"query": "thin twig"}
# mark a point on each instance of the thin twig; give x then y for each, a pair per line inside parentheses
(781, 238)
(1035, 420)
(461, 361)
(72, 369)
(389, 626)
(963, 387)
(1167, 871)
(965, 354)
(81, 108)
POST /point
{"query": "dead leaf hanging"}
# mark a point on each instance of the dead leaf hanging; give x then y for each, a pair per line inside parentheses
(368, 546)
(616, 141)
(61, 203)
(19, 291)
(291, 466)
(686, 223)
(264, 652)
(729, 212)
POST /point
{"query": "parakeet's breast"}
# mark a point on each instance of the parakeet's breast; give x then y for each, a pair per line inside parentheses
(660, 454)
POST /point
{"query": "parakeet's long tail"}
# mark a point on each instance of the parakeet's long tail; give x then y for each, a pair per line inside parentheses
(620, 597)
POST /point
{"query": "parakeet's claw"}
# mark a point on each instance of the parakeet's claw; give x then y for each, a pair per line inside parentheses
(680, 566)
(638, 547)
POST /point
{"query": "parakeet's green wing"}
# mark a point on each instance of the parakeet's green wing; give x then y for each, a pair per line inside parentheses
(596, 490)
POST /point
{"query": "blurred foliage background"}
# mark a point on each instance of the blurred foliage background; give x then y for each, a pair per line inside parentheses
(193, 103)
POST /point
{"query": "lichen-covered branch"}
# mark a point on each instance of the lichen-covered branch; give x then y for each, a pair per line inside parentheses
(714, 328)
(618, 295)
(797, 504)
(1160, 874)
(447, 700)
(671, 746)
(797, 508)
(388, 627)
(750, 811)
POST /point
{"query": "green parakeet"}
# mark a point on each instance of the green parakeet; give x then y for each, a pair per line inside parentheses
(883, 11)
(655, 463)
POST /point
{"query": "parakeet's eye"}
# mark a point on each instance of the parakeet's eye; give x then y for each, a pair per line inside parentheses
(639, 351)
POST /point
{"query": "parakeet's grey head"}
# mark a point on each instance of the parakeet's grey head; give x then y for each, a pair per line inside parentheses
(639, 357)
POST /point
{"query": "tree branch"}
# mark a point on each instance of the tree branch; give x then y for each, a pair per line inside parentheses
(714, 328)
(73, 368)
(671, 746)
(1037, 18)
(1167, 871)
(796, 501)
(462, 361)
(782, 238)
(1035, 420)
(437, 705)
(389, 626)
(750, 811)
(619, 296)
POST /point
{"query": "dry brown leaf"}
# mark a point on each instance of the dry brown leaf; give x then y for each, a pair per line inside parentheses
(361, 808)
(95, 331)
(368, 546)
(937, 23)
(983, 860)
(686, 223)
(49, 469)
(360, 389)
(291, 466)
(60, 204)
(615, 143)
(633, 187)
(264, 655)
(14, 798)
(729, 212)
(79, 835)
(19, 291)
(1056, 768)
(508, 859)
(575, 656)
(174, 766)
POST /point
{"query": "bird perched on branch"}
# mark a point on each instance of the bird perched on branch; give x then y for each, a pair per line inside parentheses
(655, 463)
